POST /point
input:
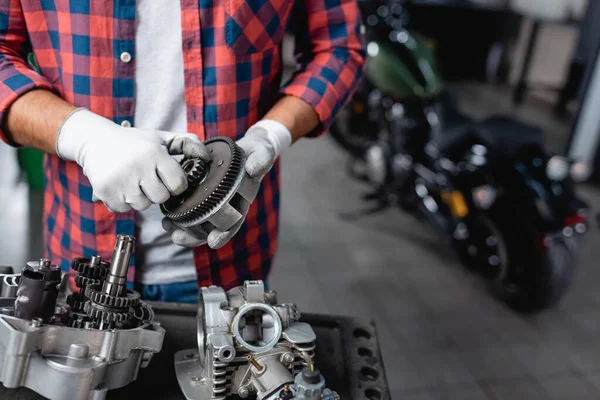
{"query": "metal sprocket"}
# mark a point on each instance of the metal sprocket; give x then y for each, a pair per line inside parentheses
(214, 199)
(129, 299)
(105, 315)
(83, 266)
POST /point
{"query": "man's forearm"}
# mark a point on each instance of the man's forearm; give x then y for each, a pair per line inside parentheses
(296, 114)
(34, 119)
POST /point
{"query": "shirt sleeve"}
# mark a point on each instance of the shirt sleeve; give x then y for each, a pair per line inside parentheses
(330, 50)
(16, 76)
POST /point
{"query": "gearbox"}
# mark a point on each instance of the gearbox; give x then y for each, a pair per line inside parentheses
(218, 190)
(250, 346)
(80, 347)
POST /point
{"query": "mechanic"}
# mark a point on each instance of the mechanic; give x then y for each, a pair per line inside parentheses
(118, 90)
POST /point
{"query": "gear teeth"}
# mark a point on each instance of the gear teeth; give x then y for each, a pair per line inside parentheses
(84, 267)
(106, 316)
(75, 319)
(130, 298)
(75, 302)
(216, 197)
(82, 281)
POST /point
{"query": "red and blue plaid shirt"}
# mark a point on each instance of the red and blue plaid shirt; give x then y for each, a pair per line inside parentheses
(232, 64)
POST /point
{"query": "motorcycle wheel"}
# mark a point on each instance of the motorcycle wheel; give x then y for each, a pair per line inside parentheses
(353, 132)
(533, 278)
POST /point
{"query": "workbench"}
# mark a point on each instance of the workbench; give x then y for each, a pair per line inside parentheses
(347, 354)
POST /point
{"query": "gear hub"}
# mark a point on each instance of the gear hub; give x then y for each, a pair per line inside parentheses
(218, 190)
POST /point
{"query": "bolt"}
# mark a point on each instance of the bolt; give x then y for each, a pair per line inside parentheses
(195, 379)
(36, 323)
(243, 392)
(220, 163)
(287, 358)
(99, 359)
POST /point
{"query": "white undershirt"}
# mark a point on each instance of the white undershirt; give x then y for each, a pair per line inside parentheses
(160, 105)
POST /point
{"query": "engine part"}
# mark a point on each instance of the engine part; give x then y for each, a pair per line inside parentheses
(218, 190)
(9, 283)
(112, 302)
(247, 345)
(75, 354)
(36, 273)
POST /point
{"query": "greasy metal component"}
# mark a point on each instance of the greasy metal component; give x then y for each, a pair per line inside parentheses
(196, 169)
(246, 345)
(107, 316)
(217, 193)
(111, 302)
(30, 294)
(116, 280)
(62, 363)
(83, 281)
(9, 283)
(35, 274)
(129, 298)
(81, 351)
(75, 319)
(75, 301)
(93, 267)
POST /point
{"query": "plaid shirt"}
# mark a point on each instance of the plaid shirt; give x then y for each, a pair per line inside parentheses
(232, 64)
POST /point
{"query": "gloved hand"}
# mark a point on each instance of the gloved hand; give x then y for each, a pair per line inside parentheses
(263, 143)
(127, 167)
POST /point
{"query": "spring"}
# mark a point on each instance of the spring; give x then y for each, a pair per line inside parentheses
(299, 358)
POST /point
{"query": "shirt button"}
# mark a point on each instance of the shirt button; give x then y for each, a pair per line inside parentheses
(126, 124)
(125, 57)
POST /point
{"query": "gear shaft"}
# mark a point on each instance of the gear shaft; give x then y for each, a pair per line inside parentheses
(110, 302)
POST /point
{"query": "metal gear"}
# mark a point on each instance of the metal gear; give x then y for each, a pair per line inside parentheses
(196, 169)
(75, 319)
(128, 299)
(93, 267)
(75, 301)
(98, 313)
(82, 281)
(191, 206)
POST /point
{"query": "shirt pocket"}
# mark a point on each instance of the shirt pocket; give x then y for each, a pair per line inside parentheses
(253, 26)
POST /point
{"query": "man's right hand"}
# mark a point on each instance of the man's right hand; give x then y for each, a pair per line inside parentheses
(127, 167)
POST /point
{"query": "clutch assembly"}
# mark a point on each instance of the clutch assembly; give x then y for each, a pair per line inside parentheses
(217, 190)
(80, 347)
(252, 347)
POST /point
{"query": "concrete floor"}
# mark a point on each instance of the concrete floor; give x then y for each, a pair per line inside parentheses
(443, 337)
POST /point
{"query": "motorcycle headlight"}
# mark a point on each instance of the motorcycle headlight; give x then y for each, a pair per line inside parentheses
(557, 168)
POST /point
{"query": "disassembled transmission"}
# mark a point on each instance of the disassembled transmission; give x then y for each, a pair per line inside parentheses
(250, 345)
(218, 190)
(98, 341)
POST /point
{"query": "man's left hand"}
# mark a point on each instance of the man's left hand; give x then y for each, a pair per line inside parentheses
(262, 143)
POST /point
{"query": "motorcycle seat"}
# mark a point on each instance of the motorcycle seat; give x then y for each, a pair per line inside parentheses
(509, 136)
(505, 135)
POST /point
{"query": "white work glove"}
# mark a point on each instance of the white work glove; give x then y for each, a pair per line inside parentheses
(263, 143)
(127, 167)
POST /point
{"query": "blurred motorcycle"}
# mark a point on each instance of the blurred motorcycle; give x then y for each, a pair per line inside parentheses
(508, 205)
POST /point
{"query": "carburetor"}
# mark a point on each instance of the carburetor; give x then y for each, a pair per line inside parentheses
(81, 348)
(249, 345)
